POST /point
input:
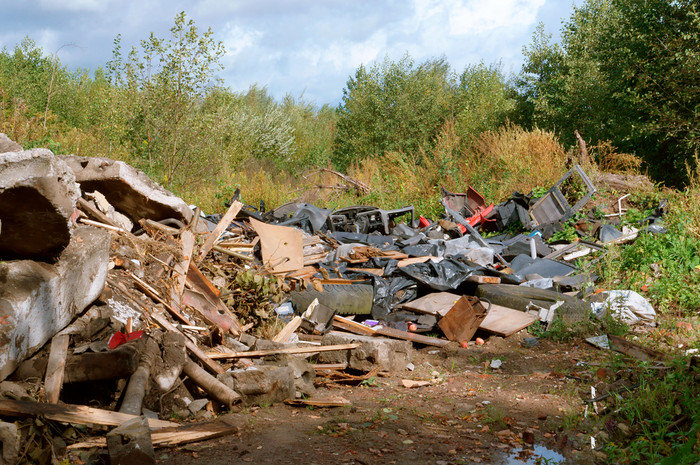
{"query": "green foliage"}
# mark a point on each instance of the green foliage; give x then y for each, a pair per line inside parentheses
(627, 72)
(652, 412)
(392, 107)
(166, 80)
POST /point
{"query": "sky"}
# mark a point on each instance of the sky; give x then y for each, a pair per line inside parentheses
(307, 49)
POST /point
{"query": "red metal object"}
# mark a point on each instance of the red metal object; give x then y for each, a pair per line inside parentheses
(120, 338)
(423, 222)
(471, 204)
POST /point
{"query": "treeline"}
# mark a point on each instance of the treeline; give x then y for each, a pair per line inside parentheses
(626, 74)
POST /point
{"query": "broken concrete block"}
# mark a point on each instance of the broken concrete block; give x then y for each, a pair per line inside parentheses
(383, 353)
(37, 300)
(38, 193)
(131, 443)
(303, 374)
(261, 384)
(9, 443)
(169, 365)
(129, 190)
(8, 145)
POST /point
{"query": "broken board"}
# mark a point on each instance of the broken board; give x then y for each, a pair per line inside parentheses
(436, 304)
(504, 321)
(282, 247)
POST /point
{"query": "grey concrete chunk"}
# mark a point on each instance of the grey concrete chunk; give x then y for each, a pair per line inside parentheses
(38, 194)
(37, 300)
(384, 353)
(8, 145)
(9, 443)
(261, 384)
(129, 190)
(131, 443)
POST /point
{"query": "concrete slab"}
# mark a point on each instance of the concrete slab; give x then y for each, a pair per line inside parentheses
(8, 145)
(129, 190)
(37, 300)
(383, 353)
(38, 193)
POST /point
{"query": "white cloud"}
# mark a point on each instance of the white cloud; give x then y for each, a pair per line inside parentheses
(74, 5)
(474, 17)
(237, 40)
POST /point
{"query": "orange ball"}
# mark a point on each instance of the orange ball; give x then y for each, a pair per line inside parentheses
(479, 341)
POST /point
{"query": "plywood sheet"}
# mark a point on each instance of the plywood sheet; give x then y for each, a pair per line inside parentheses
(282, 247)
(437, 303)
(504, 321)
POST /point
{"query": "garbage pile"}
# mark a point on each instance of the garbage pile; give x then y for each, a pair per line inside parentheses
(117, 294)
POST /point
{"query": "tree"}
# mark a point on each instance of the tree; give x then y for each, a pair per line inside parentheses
(393, 106)
(168, 81)
(627, 71)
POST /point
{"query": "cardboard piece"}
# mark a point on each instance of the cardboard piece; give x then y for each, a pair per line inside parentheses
(282, 247)
(437, 303)
(504, 321)
(462, 320)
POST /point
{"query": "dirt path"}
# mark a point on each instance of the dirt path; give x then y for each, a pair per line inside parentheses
(470, 413)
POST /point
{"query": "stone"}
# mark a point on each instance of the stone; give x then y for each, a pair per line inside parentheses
(38, 194)
(37, 300)
(261, 384)
(127, 189)
(197, 405)
(9, 443)
(374, 352)
(131, 443)
(8, 145)
(303, 374)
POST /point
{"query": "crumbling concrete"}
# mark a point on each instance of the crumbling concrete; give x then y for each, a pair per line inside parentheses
(131, 444)
(8, 145)
(38, 194)
(129, 190)
(9, 443)
(261, 384)
(37, 300)
(302, 372)
(375, 352)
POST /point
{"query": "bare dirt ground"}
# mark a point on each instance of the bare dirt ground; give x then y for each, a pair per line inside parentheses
(470, 413)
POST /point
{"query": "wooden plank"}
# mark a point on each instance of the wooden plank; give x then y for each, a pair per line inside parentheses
(217, 311)
(196, 351)
(483, 279)
(288, 330)
(328, 402)
(374, 271)
(504, 321)
(171, 436)
(55, 367)
(412, 260)
(329, 366)
(287, 350)
(413, 337)
(233, 253)
(69, 413)
(219, 229)
(437, 303)
(352, 326)
(187, 240)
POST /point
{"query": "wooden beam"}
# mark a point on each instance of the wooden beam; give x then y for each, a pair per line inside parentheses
(56, 365)
(171, 436)
(352, 326)
(288, 350)
(77, 414)
(219, 229)
(288, 330)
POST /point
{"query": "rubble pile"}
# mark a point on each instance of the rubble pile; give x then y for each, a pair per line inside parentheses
(122, 306)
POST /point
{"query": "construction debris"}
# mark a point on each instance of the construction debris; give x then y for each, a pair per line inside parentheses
(187, 314)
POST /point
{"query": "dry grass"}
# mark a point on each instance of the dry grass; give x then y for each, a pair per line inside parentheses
(611, 161)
